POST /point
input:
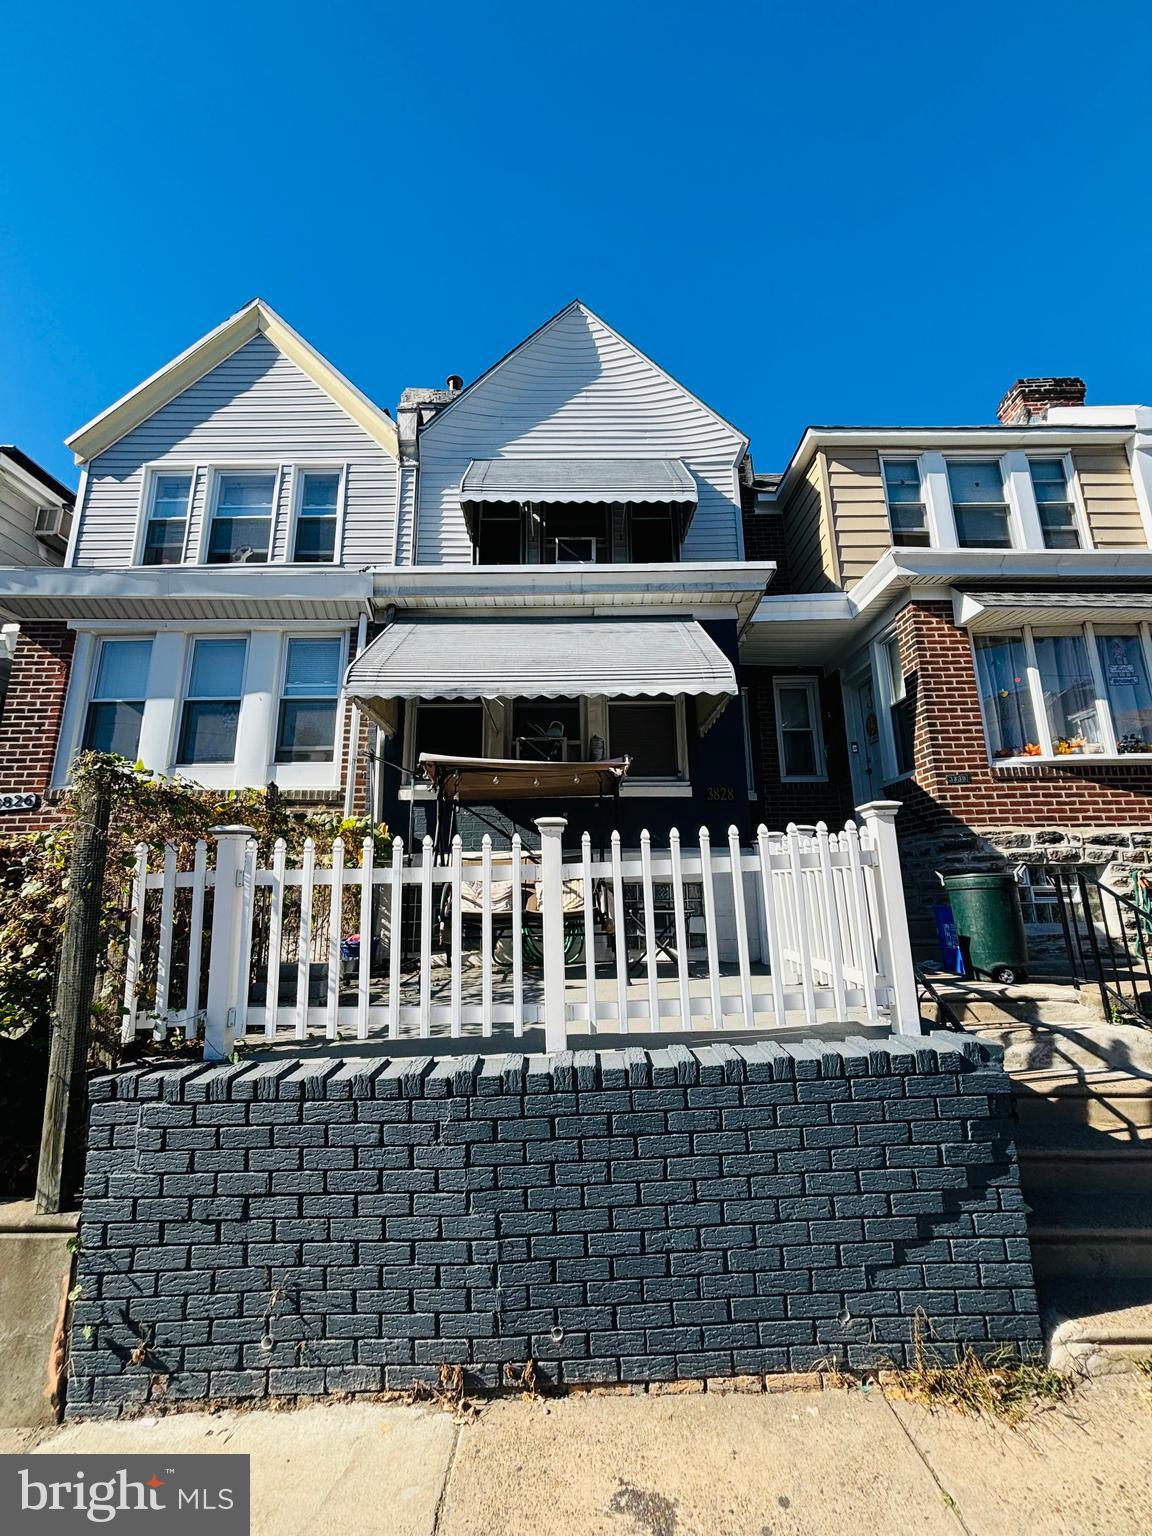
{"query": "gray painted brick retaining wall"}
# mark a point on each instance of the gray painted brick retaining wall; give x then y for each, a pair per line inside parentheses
(343, 1226)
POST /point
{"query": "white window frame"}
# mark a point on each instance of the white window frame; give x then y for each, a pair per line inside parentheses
(1016, 497)
(295, 500)
(199, 770)
(152, 473)
(811, 686)
(93, 672)
(1075, 496)
(930, 519)
(325, 774)
(885, 700)
(215, 473)
(1048, 754)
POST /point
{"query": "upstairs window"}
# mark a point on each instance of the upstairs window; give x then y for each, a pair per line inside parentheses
(979, 504)
(167, 520)
(211, 713)
(1054, 504)
(500, 536)
(116, 706)
(241, 519)
(575, 535)
(906, 512)
(306, 729)
(647, 731)
(653, 536)
(900, 708)
(316, 517)
(798, 736)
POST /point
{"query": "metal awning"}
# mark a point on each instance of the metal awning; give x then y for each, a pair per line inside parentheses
(591, 482)
(988, 611)
(497, 778)
(542, 659)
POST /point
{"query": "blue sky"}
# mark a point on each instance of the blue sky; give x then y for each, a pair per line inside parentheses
(844, 213)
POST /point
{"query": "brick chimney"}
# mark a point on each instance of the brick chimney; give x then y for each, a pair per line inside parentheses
(1029, 400)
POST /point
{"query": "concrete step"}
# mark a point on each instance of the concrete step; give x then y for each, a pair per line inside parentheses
(1097, 1328)
(1059, 1109)
(1086, 1170)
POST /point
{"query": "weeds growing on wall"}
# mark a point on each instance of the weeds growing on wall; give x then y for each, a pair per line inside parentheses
(34, 896)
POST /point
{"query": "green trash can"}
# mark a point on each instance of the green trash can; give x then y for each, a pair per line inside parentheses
(989, 924)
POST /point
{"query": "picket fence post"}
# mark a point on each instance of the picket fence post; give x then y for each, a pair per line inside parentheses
(227, 936)
(551, 829)
(880, 820)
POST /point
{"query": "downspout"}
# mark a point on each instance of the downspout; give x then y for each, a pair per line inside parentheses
(354, 744)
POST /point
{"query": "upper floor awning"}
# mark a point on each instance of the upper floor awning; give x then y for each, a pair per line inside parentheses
(592, 482)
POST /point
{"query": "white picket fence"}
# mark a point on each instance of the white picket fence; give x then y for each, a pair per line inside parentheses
(801, 927)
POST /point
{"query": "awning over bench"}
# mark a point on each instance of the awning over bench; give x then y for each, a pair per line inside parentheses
(543, 659)
(493, 778)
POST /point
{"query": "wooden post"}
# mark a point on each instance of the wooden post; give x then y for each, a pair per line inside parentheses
(551, 829)
(65, 1103)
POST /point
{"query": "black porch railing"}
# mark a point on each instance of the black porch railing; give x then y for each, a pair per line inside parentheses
(1108, 941)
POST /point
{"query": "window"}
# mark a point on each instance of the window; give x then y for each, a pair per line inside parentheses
(547, 729)
(167, 520)
(241, 519)
(899, 709)
(575, 535)
(1090, 690)
(306, 729)
(798, 735)
(978, 504)
(1126, 688)
(1069, 693)
(450, 729)
(905, 502)
(653, 536)
(116, 706)
(316, 517)
(1054, 504)
(212, 702)
(500, 537)
(647, 731)
(1002, 671)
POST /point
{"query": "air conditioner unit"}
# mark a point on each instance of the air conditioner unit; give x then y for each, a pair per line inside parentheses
(573, 549)
(51, 527)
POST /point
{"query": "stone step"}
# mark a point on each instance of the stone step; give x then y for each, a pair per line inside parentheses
(1099, 1328)
(1057, 1109)
(1086, 1170)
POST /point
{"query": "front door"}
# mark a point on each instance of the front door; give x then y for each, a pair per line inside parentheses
(863, 736)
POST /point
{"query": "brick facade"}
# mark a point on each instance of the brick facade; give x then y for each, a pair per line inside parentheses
(1099, 814)
(30, 720)
(290, 1228)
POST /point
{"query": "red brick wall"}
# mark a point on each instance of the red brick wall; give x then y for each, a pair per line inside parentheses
(779, 802)
(30, 721)
(937, 660)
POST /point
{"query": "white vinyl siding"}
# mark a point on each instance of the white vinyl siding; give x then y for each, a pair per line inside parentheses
(255, 410)
(576, 389)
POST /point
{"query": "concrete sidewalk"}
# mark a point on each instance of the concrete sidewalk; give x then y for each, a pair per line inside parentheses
(785, 1464)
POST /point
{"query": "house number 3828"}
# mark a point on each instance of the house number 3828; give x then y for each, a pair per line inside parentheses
(719, 792)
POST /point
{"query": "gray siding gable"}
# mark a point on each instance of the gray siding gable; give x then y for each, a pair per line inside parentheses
(576, 388)
(255, 408)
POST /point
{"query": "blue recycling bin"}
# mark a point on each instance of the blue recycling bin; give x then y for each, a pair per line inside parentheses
(951, 955)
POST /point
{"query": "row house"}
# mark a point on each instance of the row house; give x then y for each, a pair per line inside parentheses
(564, 588)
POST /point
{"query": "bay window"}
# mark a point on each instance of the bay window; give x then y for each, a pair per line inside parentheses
(1080, 692)
(211, 713)
(241, 527)
(116, 701)
(306, 726)
(979, 504)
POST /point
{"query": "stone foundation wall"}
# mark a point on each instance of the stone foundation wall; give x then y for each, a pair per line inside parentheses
(289, 1228)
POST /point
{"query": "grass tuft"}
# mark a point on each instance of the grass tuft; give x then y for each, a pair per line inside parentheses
(1001, 1384)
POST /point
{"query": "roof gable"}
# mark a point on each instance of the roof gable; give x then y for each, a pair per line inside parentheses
(255, 319)
(520, 367)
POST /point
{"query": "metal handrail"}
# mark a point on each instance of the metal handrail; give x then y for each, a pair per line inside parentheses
(1114, 956)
